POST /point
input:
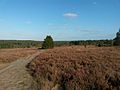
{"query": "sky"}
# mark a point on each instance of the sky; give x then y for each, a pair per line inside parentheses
(62, 19)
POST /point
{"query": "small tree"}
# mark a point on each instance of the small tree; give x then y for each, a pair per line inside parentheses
(116, 42)
(48, 43)
(117, 39)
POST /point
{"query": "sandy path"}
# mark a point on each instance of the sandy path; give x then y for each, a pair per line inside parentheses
(3, 65)
(16, 77)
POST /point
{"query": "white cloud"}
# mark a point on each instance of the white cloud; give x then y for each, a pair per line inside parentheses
(70, 14)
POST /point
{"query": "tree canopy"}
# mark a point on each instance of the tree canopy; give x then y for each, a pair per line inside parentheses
(48, 43)
(117, 39)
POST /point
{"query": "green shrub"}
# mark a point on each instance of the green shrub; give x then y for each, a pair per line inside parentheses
(116, 42)
(48, 43)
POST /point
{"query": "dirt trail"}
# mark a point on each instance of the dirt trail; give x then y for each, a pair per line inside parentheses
(16, 77)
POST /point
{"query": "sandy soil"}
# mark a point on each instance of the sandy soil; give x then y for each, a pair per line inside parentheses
(3, 65)
(14, 76)
(10, 55)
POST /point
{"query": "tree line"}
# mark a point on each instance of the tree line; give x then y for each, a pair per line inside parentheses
(47, 43)
(50, 43)
(92, 42)
(19, 44)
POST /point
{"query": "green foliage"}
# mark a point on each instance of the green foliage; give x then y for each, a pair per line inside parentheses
(38, 44)
(99, 45)
(92, 42)
(48, 43)
(61, 43)
(117, 42)
(117, 39)
(19, 44)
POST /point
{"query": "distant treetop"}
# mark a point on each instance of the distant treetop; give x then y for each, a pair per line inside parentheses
(117, 39)
(48, 43)
(118, 34)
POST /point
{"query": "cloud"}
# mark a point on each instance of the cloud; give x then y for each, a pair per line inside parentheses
(28, 22)
(70, 14)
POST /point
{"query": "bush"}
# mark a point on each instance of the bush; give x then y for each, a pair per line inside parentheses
(99, 45)
(117, 39)
(116, 42)
(48, 43)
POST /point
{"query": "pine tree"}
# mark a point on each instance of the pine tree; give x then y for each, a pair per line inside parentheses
(117, 39)
(48, 43)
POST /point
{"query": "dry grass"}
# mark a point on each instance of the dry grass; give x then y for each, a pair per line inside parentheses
(9, 55)
(79, 68)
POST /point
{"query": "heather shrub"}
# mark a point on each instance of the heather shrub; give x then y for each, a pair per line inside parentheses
(76, 68)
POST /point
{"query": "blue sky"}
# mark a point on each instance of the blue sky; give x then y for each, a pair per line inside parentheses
(62, 19)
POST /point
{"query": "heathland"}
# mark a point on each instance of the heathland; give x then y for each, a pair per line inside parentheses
(77, 68)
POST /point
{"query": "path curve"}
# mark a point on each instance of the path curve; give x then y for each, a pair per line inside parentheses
(16, 77)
